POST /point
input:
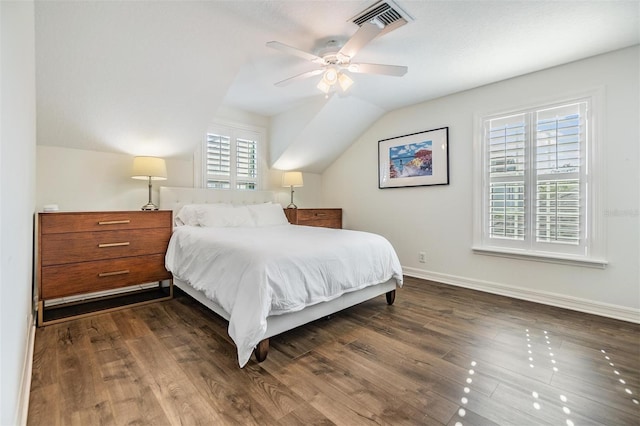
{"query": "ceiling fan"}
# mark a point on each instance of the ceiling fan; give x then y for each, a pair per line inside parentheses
(335, 60)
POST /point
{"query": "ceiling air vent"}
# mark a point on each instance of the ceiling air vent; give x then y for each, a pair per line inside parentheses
(387, 12)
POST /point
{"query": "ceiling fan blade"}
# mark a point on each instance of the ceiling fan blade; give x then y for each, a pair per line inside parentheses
(393, 70)
(367, 32)
(294, 51)
(299, 77)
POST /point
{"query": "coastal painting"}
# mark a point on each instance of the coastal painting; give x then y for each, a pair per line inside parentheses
(417, 159)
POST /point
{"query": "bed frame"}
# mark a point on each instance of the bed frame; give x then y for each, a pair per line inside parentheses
(174, 198)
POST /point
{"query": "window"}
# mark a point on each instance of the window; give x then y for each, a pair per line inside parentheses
(231, 159)
(536, 193)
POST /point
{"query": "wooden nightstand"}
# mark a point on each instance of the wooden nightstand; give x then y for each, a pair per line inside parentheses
(328, 218)
(89, 252)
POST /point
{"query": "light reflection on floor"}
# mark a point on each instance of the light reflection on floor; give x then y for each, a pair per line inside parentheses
(627, 389)
(467, 390)
(539, 357)
(553, 364)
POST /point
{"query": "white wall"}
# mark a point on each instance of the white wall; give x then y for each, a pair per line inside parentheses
(307, 196)
(82, 180)
(438, 219)
(17, 197)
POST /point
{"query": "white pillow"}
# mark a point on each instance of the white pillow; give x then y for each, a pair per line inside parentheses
(224, 215)
(187, 215)
(242, 216)
(267, 214)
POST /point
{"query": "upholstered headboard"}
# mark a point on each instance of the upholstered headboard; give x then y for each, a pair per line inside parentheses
(173, 198)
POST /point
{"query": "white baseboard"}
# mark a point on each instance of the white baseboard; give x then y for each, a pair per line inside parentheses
(25, 387)
(553, 299)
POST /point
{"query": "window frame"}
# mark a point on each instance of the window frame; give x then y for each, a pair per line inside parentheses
(234, 131)
(592, 253)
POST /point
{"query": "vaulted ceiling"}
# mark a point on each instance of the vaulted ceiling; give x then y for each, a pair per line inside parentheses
(148, 77)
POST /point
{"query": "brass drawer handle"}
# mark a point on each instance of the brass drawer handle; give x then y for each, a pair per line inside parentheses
(110, 274)
(114, 222)
(321, 214)
(126, 243)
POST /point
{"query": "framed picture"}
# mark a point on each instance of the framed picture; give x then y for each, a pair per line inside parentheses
(418, 159)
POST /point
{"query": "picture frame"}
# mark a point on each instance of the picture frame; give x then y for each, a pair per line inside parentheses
(416, 159)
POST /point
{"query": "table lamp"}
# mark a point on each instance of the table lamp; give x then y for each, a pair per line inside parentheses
(151, 168)
(292, 179)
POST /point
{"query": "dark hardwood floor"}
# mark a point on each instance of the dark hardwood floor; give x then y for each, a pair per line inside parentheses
(439, 355)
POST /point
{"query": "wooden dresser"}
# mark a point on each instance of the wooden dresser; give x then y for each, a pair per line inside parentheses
(89, 252)
(328, 218)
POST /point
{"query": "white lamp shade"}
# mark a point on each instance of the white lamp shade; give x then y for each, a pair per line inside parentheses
(330, 76)
(149, 167)
(324, 87)
(344, 81)
(292, 179)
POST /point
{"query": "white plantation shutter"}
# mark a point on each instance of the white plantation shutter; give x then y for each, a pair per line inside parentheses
(560, 138)
(246, 163)
(558, 213)
(506, 210)
(506, 146)
(218, 161)
(232, 159)
(535, 180)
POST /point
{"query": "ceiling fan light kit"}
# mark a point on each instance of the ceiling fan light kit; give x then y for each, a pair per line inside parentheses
(330, 78)
(379, 19)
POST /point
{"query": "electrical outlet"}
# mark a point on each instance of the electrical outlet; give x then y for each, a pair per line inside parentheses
(422, 257)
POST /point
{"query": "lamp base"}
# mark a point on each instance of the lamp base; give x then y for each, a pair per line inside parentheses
(291, 205)
(149, 206)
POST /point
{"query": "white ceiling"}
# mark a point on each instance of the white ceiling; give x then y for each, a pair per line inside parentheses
(148, 77)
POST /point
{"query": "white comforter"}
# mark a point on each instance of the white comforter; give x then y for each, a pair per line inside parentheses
(253, 273)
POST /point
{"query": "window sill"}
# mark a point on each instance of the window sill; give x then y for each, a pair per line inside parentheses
(543, 257)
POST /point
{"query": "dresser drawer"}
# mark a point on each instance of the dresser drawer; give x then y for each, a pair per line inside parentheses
(318, 214)
(58, 249)
(56, 223)
(66, 280)
(328, 218)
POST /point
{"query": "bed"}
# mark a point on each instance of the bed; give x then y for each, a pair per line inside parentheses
(263, 275)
